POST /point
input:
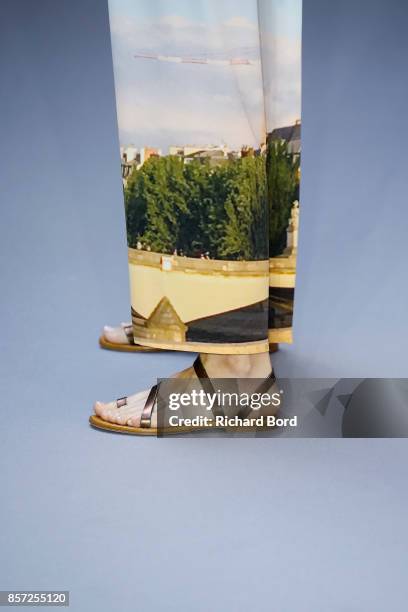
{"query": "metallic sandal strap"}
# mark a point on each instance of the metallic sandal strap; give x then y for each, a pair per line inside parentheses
(206, 383)
(263, 388)
(122, 401)
(146, 416)
(128, 329)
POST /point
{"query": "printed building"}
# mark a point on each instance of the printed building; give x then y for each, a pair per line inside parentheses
(289, 134)
(216, 154)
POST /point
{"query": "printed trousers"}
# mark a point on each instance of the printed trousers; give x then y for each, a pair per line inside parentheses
(208, 105)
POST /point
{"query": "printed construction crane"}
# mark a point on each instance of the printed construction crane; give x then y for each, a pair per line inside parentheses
(199, 59)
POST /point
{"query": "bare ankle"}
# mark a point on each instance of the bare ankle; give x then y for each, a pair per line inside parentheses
(237, 366)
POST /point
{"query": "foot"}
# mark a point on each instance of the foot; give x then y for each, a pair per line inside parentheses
(130, 413)
(217, 366)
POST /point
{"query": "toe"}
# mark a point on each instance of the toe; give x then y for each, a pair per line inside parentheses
(107, 412)
(120, 419)
(110, 333)
(99, 408)
(122, 414)
(114, 334)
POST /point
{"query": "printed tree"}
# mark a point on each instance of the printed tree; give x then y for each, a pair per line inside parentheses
(197, 208)
(282, 171)
(156, 199)
(136, 199)
(194, 233)
(245, 227)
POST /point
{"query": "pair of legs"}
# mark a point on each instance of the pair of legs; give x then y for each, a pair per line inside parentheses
(211, 184)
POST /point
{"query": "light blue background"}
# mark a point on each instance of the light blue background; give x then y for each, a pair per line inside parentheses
(184, 524)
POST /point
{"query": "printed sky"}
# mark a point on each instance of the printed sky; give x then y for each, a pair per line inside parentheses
(163, 103)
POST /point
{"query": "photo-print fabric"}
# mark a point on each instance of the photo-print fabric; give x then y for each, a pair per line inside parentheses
(208, 106)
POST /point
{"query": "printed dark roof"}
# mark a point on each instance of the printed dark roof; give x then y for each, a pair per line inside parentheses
(288, 133)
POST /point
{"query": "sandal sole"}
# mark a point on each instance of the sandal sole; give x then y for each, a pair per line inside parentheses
(126, 348)
(99, 423)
